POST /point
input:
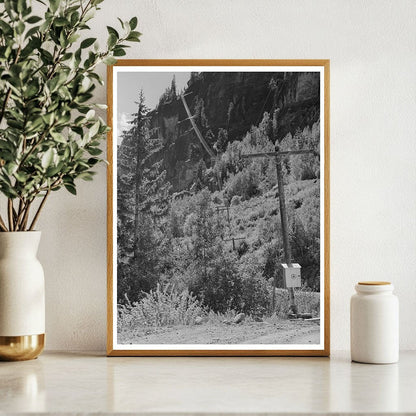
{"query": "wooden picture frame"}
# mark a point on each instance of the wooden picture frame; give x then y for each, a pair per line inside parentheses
(296, 79)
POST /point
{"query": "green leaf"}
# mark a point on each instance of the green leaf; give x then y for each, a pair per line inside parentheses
(67, 56)
(82, 98)
(10, 168)
(94, 129)
(111, 30)
(70, 188)
(61, 21)
(133, 39)
(74, 18)
(35, 125)
(63, 41)
(67, 153)
(21, 177)
(121, 22)
(133, 23)
(10, 8)
(16, 124)
(82, 166)
(134, 36)
(73, 38)
(54, 4)
(112, 41)
(86, 176)
(4, 145)
(47, 158)
(52, 171)
(119, 52)
(21, 5)
(58, 137)
(31, 90)
(94, 151)
(31, 32)
(33, 19)
(89, 15)
(110, 60)
(8, 190)
(7, 52)
(90, 115)
(6, 29)
(27, 11)
(92, 161)
(46, 56)
(78, 154)
(78, 130)
(48, 118)
(20, 28)
(53, 83)
(87, 42)
(64, 93)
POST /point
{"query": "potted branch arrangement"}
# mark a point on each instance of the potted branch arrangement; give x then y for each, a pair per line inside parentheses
(50, 135)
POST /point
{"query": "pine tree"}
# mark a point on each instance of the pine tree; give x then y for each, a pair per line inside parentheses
(142, 198)
(212, 270)
(173, 87)
(222, 140)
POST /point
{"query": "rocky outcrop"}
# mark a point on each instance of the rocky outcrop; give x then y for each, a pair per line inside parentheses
(233, 101)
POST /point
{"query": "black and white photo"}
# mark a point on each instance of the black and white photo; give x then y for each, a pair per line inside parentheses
(218, 209)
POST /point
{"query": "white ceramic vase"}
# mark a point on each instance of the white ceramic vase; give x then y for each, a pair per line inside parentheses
(22, 296)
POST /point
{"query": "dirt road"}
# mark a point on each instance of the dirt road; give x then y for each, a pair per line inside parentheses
(282, 332)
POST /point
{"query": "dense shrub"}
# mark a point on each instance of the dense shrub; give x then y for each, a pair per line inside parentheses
(244, 184)
(161, 307)
(219, 286)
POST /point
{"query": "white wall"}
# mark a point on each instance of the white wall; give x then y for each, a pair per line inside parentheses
(372, 48)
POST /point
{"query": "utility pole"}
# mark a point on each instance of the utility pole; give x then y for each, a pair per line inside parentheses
(283, 213)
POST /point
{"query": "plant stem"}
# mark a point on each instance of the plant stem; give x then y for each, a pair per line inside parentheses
(26, 216)
(2, 224)
(10, 213)
(17, 217)
(20, 213)
(39, 209)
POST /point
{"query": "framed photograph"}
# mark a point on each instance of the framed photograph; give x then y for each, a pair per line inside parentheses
(218, 208)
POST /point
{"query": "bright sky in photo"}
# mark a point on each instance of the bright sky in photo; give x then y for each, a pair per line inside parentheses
(153, 85)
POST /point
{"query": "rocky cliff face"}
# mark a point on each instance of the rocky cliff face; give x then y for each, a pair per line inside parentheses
(233, 101)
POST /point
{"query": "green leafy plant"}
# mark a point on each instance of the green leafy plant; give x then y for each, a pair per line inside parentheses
(50, 134)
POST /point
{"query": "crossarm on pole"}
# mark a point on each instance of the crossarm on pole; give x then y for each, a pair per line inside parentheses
(282, 153)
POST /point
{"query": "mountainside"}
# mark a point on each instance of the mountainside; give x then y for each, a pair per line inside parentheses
(199, 225)
(232, 101)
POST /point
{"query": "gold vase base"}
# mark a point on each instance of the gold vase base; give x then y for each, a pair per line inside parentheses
(21, 348)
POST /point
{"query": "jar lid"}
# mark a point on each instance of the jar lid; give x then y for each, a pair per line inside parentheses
(374, 283)
(372, 287)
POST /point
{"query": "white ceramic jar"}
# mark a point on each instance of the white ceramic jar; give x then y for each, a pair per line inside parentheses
(374, 323)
